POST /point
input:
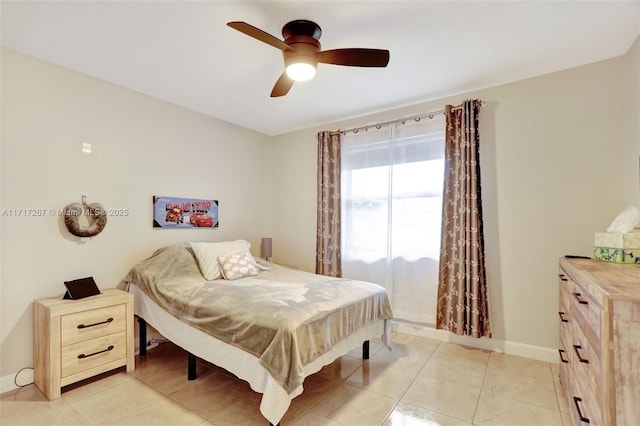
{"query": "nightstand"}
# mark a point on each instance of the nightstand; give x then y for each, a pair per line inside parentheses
(78, 339)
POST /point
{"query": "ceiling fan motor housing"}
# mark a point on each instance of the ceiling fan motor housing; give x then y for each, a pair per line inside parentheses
(301, 27)
(302, 36)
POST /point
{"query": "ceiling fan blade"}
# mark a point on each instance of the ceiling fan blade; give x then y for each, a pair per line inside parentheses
(258, 34)
(282, 86)
(355, 57)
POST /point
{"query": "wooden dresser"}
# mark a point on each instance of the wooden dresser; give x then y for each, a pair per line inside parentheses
(600, 341)
(77, 339)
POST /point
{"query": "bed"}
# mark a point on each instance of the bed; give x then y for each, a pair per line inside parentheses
(269, 325)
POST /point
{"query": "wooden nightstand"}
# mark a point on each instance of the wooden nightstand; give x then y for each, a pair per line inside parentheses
(77, 339)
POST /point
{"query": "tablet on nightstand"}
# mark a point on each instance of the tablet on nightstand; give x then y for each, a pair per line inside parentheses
(81, 288)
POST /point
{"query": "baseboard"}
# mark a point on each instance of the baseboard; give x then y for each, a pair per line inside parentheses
(7, 383)
(511, 348)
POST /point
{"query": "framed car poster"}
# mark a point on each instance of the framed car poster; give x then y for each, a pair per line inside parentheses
(175, 212)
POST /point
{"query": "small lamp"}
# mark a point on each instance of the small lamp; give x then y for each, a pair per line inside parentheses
(265, 248)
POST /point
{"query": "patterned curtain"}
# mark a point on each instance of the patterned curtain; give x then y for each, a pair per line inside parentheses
(328, 260)
(463, 307)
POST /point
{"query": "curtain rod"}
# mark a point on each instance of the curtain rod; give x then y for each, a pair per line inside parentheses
(399, 120)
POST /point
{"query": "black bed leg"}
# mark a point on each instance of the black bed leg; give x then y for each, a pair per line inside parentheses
(365, 349)
(191, 368)
(143, 336)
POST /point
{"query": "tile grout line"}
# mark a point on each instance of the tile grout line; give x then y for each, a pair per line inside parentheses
(411, 384)
(343, 381)
(484, 376)
(529, 377)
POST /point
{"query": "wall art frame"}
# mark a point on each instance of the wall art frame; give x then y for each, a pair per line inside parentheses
(184, 213)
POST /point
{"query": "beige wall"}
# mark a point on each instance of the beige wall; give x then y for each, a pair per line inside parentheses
(141, 147)
(632, 124)
(552, 151)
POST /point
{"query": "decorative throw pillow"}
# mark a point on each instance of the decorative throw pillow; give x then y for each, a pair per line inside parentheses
(208, 253)
(238, 265)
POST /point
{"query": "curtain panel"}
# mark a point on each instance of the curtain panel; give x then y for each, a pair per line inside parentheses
(462, 288)
(392, 181)
(328, 239)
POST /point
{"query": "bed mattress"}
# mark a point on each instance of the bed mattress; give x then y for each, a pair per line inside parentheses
(275, 400)
(271, 329)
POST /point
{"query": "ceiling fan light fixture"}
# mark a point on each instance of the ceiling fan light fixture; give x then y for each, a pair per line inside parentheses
(302, 52)
(301, 71)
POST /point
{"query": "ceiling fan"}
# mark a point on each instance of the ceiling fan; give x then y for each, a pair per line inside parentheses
(301, 52)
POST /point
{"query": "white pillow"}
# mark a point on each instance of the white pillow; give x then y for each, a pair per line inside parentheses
(208, 253)
(237, 266)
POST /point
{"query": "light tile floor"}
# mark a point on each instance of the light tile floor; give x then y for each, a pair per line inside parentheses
(421, 382)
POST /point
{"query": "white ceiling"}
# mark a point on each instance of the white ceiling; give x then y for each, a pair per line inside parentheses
(182, 51)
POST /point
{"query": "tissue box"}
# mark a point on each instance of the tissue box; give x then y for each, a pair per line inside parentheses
(617, 247)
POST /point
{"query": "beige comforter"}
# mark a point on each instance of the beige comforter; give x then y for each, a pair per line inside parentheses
(285, 317)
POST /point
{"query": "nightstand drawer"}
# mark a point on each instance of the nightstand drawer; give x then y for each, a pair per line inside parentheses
(81, 326)
(77, 339)
(92, 353)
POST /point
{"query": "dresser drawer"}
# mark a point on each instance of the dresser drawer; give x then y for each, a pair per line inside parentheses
(93, 353)
(81, 326)
(582, 412)
(585, 311)
(565, 292)
(566, 343)
(586, 336)
(564, 299)
(585, 406)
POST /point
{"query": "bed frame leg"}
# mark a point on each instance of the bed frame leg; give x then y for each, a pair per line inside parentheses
(365, 349)
(143, 336)
(191, 367)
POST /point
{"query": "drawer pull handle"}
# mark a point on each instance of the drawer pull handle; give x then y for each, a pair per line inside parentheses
(562, 352)
(562, 278)
(579, 298)
(82, 356)
(562, 318)
(81, 326)
(576, 401)
(577, 349)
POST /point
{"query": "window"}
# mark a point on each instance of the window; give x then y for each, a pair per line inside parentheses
(392, 184)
